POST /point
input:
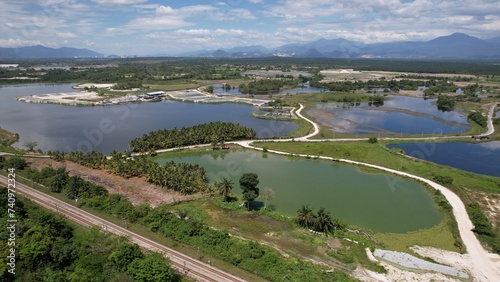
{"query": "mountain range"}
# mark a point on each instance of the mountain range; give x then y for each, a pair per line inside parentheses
(454, 46)
(39, 51)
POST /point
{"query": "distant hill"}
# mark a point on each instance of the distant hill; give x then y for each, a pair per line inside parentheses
(38, 51)
(454, 46)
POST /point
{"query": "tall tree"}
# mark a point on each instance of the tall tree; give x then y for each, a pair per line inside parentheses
(225, 186)
(248, 183)
(305, 216)
(324, 222)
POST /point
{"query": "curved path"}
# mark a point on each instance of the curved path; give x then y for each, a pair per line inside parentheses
(484, 266)
(179, 261)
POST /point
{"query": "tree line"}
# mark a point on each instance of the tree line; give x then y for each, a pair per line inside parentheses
(181, 177)
(246, 254)
(49, 249)
(321, 221)
(213, 132)
(266, 86)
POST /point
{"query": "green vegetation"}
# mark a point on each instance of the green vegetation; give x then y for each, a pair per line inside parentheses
(248, 183)
(321, 222)
(483, 227)
(249, 255)
(225, 186)
(266, 86)
(14, 162)
(7, 138)
(47, 248)
(445, 103)
(127, 85)
(478, 118)
(185, 178)
(213, 132)
(463, 183)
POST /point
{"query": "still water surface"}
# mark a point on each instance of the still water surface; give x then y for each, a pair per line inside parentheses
(378, 202)
(66, 128)
(482, 158)
(398, 115)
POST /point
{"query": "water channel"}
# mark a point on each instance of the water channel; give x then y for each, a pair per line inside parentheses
(378, 202)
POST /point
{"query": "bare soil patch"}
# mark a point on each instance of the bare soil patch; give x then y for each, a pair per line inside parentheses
(136, 189)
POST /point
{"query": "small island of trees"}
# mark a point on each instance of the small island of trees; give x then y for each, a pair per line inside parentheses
(207, 133)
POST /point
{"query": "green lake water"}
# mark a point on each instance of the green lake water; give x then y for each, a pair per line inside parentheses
(378, 202)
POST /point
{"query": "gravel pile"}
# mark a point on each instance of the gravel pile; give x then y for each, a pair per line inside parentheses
(410, 261)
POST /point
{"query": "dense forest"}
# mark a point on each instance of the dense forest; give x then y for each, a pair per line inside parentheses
(47, 248)
(213, 132)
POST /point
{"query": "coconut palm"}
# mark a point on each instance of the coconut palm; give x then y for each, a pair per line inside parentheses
(324, 222)
(305, 216)
(225, 186)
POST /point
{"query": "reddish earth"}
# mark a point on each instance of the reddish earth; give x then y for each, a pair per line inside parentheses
(136, 189)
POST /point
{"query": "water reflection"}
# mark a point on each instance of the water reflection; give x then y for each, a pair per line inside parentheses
(398, 115)
(482, 158)
(57, 127)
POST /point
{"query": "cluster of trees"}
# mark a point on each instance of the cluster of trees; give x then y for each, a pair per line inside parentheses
(434, 85)
(248, 184)
(198, 134)
(58, 181)
(49, 249)
(125, 85)
(249, 255)
(478, 118)
(321, 221)
(182, 177)
(483, 227)
(445, 103)
(14, 162)
(266, 86)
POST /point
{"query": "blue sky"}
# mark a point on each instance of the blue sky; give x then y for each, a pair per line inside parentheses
(151, 27)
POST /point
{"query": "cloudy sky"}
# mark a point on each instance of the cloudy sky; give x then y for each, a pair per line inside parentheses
(151, 27)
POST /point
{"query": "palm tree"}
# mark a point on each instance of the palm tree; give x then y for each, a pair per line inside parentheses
(305, 216)
(324, 222)
(225, 186)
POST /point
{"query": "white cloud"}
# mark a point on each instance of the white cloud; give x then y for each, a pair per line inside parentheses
(241, 14)
(66, 35)
(118, 2)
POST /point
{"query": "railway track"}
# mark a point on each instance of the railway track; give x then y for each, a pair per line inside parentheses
(179, 261)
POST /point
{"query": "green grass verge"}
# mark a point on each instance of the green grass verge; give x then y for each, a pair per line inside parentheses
(146, 232)
(462, 182)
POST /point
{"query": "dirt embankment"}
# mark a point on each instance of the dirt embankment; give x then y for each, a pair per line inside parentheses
(136, 189)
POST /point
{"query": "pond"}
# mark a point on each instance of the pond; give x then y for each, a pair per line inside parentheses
(397, 116)
(378, 202)
(106, 128)
(482, 158)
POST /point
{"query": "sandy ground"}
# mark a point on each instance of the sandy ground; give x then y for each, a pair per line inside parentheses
(62, 98)
(396, 274)
(97, 85)
(137, 190)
